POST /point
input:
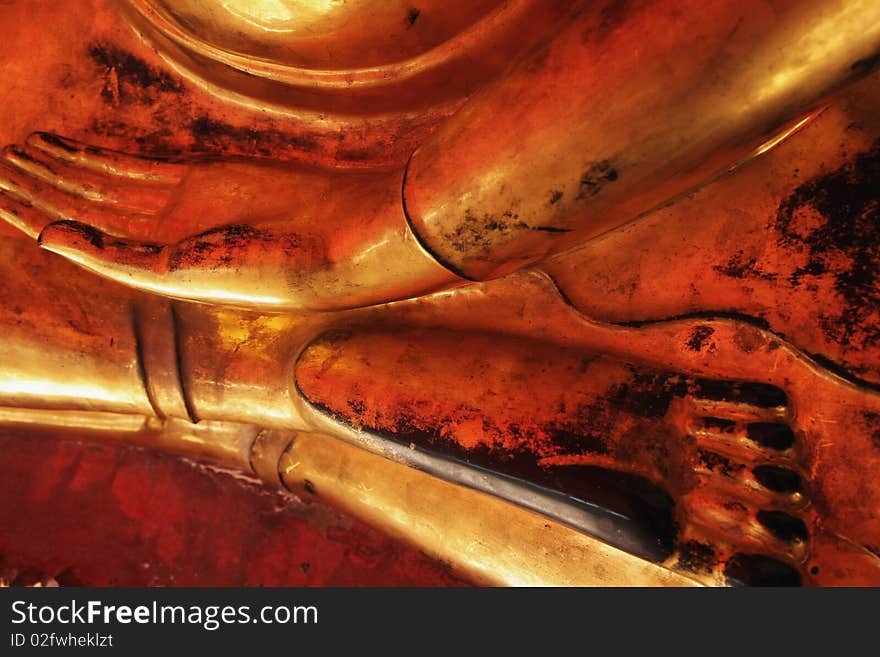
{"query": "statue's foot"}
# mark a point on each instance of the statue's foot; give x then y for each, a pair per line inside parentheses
(736, 479)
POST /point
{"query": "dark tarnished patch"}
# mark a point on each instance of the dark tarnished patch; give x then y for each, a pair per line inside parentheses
(843, 244)
(595, 178)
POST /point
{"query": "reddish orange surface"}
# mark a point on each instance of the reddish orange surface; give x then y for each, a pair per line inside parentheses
(107, 515)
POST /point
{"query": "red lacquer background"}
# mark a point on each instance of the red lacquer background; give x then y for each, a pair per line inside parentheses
(90, 514)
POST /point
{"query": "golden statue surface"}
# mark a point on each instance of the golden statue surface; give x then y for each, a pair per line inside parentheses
(561, 292)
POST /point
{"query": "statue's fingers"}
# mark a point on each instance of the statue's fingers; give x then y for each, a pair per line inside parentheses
(130, 196)
(21, 213)
(106, 161)
(55, 204)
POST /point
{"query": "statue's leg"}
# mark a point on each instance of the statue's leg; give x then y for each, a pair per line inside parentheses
(790, 241)
(628, 107)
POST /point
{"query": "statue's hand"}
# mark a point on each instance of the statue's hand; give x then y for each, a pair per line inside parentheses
(254, 235)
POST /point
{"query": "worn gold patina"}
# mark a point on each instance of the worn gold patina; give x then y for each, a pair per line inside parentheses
(556, 262)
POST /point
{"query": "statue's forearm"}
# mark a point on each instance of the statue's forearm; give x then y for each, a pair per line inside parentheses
(613, 117)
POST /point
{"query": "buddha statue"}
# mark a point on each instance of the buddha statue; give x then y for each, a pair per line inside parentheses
(595, 282)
